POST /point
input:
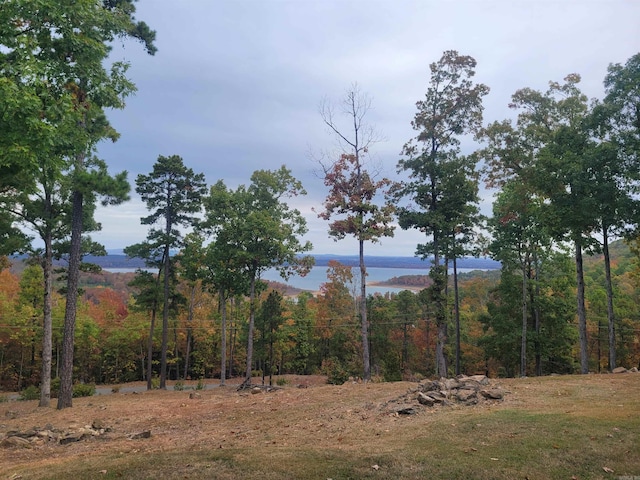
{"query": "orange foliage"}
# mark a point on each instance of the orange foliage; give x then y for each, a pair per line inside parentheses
(9, 286)
(106, 306)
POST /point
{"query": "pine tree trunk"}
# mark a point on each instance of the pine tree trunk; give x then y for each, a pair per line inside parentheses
(66, 371)
(582, 312)
(165, 316)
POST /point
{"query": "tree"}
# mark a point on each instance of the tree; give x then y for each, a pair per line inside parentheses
(271, 319)
(352, 196)
(192, 266)
(616, 122)
(147, 298)
(451, 109)
(519, 240)
(268, 236)
(172, 192)
(562, 176)
(52, 58)
(224, 268)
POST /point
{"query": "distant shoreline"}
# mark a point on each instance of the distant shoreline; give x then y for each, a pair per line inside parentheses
(321, 260)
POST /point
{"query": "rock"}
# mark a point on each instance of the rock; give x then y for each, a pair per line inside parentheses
(137, 436)
(481, 379)
(634, 370)
(465, 395)
(493, 394)
(619, 370)
(451, 384)
(71, 437)
(98, 424)
(194, 395)
(15, 442)
(438, 397)
(407, 411)
(425, 400)
(256, 390)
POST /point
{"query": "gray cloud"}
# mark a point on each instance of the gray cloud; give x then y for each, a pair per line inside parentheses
(235, 85)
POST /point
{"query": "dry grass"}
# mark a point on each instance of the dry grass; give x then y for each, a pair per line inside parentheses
(546, 428)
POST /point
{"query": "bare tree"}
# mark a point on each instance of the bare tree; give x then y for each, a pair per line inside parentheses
(350, 205)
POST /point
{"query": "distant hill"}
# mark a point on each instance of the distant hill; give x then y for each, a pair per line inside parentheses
(322, 260)
(403, 262)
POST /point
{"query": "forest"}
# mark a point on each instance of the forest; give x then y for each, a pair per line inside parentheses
(564, 172)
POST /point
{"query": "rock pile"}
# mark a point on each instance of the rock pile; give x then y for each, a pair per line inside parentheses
(39, 436)
(461, 390)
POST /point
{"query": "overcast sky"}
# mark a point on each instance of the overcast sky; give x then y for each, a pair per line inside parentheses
(236, 85)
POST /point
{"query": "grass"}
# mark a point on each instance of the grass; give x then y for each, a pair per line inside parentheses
(547, 428)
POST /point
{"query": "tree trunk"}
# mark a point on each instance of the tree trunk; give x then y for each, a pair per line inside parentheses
(165, 315)
(456, 307)
(536, 313)
(610, 313)
(252, 317)
(47, 324)
(152, 327)
(223, 335)
(582, 312)
(364, 324)
(66, 371)
(523, 337)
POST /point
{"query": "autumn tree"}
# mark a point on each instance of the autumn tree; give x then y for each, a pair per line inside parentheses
(172, 193)
(352, 206)
(451, 109)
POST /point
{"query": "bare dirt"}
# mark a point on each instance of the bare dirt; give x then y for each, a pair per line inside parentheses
(304, 412)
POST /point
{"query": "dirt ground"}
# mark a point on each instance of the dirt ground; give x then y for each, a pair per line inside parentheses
(305, 411)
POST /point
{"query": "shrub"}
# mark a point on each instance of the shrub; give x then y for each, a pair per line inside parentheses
(84, 390)
(281, 381)
(335, 371)
(178, 386)
(4, 399)
(201, 384)
(30, 393)
(155, 383)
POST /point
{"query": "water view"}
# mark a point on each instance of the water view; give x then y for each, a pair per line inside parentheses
(318, 275)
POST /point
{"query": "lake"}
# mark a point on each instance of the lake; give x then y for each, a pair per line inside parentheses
(318, 276)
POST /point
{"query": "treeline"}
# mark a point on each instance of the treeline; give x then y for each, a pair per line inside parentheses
(564, 170)
(307, 335)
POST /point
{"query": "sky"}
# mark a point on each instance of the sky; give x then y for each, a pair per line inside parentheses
(236, 85)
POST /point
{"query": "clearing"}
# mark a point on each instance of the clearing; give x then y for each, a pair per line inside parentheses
(571, 427)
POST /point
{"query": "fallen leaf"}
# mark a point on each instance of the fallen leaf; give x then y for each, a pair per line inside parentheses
(607, 469)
